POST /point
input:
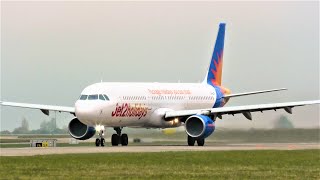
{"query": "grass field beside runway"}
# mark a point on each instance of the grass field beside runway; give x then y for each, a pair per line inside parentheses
(299, 164)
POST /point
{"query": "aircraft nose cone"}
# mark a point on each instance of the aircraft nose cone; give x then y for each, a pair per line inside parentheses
(89, 112)
(85, 112)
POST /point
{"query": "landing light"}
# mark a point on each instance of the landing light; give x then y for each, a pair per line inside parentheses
(99, 127)
(176, 120)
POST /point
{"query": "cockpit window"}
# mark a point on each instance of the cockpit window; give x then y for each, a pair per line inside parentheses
(93, 97)
(106, 97)
(101, 97)
(83, 97)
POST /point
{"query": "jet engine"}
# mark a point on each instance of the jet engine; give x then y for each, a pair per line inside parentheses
(199, 126)
(80, 131)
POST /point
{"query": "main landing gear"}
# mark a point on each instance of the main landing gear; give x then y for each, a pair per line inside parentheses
(191, 141)
(119, 138)
(100, 140)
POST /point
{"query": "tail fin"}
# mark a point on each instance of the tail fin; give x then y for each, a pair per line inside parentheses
(215, 69)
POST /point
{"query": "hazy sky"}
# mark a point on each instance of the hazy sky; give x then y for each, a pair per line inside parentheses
(50, 51)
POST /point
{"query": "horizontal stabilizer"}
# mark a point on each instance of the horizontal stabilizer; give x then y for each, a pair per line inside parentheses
(253, 92)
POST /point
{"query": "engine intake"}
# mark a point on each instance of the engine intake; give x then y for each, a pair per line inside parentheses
(80, 131)
(199, 126)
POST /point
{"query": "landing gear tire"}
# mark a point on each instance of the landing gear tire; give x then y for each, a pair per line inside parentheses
(200, 142)
(97, 142)
(119, 138)
(102, 142)
(191, 141)
(115, 140)
(124, 139)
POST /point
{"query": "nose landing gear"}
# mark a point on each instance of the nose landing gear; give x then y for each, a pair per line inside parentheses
(119, 138)
(100, 141)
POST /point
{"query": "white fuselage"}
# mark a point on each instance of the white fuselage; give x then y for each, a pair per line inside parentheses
(136, 104)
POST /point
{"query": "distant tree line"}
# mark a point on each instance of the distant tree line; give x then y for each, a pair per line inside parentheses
(283, 123)
(46, 127)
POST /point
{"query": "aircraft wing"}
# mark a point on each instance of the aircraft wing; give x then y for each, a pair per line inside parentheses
(44, 108)
(245, 110)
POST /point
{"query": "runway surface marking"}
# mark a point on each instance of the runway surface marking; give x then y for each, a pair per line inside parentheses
(109, 149)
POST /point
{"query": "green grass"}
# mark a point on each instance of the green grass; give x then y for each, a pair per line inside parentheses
(300, 164)
(14, 140)
(32, 136)
(14, 145)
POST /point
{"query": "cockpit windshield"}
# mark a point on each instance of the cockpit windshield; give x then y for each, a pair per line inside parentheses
(105, 96)
(93, 97)
(83, 97)
(102, 97)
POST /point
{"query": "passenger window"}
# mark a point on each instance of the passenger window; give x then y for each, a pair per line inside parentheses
(101, 97)
(83, 97)
(93, 97)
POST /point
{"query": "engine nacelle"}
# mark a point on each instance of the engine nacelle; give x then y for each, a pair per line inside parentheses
(199, 126)
(80, 131)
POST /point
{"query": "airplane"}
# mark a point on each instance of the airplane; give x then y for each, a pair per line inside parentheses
(196, 106)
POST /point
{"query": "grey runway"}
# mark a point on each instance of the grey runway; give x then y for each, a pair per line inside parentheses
(108, 149)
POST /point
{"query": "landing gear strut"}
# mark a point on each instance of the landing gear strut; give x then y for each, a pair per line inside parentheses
(100, 140)
(119, 138)
(191, 141)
